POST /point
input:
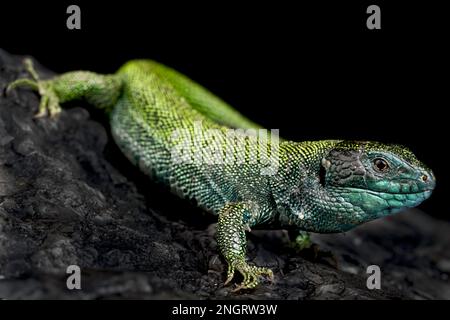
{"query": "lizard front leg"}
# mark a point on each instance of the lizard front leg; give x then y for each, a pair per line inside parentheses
(233, 246)
(300, 240)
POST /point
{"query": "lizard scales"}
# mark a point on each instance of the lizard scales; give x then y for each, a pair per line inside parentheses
(319, 186)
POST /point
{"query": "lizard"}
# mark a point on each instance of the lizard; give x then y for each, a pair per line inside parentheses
(162, 121)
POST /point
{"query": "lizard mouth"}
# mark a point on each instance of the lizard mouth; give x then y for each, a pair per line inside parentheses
(392, 199)
(356, 189)
(389, 192)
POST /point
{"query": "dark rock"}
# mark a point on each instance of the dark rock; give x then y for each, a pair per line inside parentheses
(68, 197)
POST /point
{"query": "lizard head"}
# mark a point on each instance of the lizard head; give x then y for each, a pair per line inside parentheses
(378, 179)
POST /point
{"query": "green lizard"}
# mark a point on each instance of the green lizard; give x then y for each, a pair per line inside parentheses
(164, 122)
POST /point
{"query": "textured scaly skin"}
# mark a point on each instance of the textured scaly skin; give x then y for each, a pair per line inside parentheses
(318, 186)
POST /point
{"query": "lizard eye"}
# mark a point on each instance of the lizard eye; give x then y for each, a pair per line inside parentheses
(380, 165)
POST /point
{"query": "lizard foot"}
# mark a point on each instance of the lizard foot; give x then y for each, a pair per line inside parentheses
(301, 242)
(251, 274)
(49, 100)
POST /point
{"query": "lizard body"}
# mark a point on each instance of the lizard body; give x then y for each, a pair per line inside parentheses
(178, 133)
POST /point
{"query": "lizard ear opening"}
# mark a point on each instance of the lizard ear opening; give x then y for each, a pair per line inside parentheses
(322, 173)
(324, 165)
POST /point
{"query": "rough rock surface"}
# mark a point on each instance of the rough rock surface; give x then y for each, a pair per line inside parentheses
(68, 197)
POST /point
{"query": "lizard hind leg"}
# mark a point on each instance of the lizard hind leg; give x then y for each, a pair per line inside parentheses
(49, 100)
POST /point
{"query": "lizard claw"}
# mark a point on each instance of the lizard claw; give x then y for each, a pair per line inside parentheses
(251, 275)
(230, 274)
(49, 104)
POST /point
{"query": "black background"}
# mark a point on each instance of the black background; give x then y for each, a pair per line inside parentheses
(311, 69)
